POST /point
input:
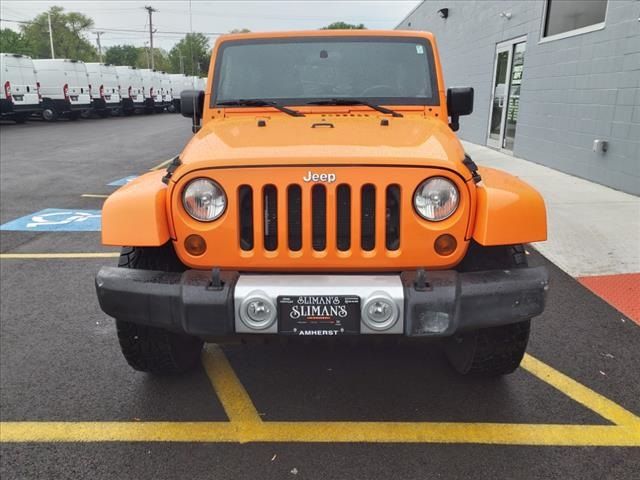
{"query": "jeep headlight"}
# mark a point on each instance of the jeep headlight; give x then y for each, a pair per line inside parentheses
(436, 199)
(204, 199)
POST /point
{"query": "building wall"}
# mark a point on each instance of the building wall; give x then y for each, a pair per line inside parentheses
(574, 90)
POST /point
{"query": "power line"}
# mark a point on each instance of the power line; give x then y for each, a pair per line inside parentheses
(124, 30)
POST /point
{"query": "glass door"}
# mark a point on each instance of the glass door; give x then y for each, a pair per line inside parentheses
(513, 101)
(505, 95)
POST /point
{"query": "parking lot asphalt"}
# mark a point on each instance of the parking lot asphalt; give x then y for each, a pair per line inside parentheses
(70, 406)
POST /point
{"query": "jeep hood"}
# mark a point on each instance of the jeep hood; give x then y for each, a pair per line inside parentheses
(324, 139)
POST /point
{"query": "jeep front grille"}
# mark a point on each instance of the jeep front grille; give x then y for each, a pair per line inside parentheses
(331, 211)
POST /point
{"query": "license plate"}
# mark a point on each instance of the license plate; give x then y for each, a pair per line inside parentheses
(325, 315)
(18, 98)
(74, 98)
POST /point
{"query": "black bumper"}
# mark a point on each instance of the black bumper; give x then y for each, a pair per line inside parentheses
(9, 108)
(447, 303)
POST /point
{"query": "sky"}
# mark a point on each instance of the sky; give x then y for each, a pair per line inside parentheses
(127, 21)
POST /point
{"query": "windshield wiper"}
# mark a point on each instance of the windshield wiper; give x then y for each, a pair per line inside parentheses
(256, 102)
(355, 101)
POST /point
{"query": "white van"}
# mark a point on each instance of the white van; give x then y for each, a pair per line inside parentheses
(19, 97)
(152, 90)
(167, 95)
(131, 89)
(179, 82)
(64, 87)
(103, 88)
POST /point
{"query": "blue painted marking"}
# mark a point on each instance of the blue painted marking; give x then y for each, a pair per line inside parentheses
(122, 181)
(57, 220)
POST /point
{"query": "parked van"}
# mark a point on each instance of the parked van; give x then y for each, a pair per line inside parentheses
(151, 89)
(167, 96)
(64, 87)
(19, 97)
(103, 88)
(179, 82)
(131, 89)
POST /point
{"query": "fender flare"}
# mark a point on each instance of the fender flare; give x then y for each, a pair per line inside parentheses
(136, 214)
(509, 211)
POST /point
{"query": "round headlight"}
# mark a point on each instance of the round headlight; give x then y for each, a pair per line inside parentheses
(204, 199)
(436, 199)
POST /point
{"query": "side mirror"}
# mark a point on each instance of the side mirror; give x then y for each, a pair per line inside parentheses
(459, 102)
(192, 106)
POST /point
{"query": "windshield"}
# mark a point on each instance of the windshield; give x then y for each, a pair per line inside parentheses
(387, 70)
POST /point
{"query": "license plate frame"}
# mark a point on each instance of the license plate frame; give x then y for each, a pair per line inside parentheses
(318, 315)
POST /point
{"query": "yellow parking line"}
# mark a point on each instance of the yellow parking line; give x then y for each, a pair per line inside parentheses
(117, 432)
(94, 195)
(44, 256)
(323, 432)
(579, 393)
(160, 165)
(233, 396)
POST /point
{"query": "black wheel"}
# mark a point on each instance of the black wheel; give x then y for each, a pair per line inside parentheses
(151, 349)
(104, 113)
(73, 116)
(497, 350)
(50, 114)
(20, 117)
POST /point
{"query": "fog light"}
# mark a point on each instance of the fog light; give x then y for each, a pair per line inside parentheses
(445, 244)
(257, 311)
(195, 244)
(379, 312)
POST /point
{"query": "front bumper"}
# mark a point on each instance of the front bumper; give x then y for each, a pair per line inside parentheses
(439, 304)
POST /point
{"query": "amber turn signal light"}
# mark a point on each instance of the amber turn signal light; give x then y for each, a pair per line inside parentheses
(195, 244)
(445, 244)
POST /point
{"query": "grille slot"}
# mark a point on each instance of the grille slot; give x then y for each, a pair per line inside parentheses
(301, 218)
(343, 218)
(392, 223)
(270, 196)
(294, 217)
(368, 218)
(245, 206)
(319, 217)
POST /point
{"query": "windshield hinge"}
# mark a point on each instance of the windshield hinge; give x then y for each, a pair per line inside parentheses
(473, 168)
(175, 163)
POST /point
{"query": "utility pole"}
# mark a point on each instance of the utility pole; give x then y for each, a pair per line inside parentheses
(53, 55)
(99, 45)
(151, 10)
(146, 49)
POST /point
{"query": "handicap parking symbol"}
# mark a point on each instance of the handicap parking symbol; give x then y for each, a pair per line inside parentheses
(122, 181)
(57, 220)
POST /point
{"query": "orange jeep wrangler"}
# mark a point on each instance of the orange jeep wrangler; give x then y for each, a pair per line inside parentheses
(324, 194)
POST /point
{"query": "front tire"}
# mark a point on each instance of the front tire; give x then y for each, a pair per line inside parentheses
(491, 351)
(152, 349)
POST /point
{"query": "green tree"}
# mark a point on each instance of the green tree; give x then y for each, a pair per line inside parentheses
(13, 42)
(69, 35)
(122, 55)
(191, 55)
(344, 26)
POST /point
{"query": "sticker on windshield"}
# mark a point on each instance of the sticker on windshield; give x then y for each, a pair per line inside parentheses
(419, 49)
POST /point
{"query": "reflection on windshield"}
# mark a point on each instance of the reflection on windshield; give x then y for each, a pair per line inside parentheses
(399, 70)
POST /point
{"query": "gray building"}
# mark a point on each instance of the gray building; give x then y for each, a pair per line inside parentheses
(553, 79)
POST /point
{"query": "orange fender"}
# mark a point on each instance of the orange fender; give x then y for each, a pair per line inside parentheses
(509, 211)
(136, 214)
